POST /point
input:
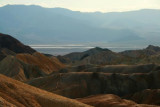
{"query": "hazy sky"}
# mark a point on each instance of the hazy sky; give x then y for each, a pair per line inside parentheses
(91, 5)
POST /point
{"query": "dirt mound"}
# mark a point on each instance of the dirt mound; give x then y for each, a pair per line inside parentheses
(15, 93)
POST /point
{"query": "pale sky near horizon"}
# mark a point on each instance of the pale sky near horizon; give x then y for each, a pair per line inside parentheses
(91, 5)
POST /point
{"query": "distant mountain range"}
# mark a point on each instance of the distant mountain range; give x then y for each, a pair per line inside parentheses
(38, 25)
(99, 56)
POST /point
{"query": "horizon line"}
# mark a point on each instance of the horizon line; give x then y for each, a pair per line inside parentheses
(129, 10)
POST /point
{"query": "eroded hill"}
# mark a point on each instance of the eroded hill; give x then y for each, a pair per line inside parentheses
(133, 75)
(16, 94)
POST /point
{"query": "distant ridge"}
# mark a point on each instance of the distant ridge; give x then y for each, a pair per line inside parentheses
(100, 56)
(150, 50)
(65, 26)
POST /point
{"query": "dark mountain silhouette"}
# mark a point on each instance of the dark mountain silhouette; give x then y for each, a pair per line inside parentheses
(154, 48)
(6, 41)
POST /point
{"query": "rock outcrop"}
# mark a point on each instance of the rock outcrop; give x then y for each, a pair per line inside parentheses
(85, 83)
(24, 67)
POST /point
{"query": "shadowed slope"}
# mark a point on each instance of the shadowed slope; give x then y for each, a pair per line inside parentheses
(6, 41)
(68, 84)
(148, 96)
(4, 52)
(123, 69)
(22, 95)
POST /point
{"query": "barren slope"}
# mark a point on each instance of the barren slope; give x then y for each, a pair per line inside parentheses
(24, 67)
(15, 93)
(47, 64)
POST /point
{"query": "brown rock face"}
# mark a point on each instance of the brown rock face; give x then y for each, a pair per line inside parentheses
(47, 64)
(14, 68)
(16, 94)
(24, 67)
(78, 85)
(110, 100)
(6, 41)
